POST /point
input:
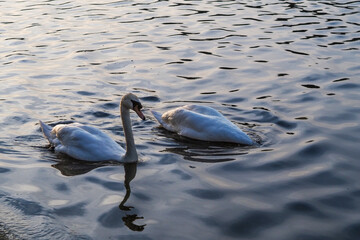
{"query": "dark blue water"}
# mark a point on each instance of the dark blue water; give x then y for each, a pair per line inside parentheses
(286, 72)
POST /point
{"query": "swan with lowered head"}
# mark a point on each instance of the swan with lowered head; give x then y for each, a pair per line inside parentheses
(202, 123)
(89, 143)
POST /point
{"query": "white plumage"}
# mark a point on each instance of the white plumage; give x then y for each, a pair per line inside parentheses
(82, 142)
(202, 123)
(89, 143)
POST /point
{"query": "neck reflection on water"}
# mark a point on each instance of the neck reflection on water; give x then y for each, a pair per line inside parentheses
(130, 172)
(70, 167)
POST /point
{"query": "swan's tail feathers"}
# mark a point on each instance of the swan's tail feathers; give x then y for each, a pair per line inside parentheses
(46, 129)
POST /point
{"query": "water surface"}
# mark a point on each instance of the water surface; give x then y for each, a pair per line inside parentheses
(286, 72)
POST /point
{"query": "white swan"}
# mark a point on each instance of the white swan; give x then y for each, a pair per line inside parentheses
(89, 143)
(202, 123)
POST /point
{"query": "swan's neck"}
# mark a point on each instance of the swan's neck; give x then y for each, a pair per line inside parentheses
(131, 154)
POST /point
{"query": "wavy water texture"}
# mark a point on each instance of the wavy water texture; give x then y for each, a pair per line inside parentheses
(285, 72)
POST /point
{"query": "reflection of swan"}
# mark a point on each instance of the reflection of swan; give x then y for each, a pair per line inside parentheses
(206, 154)
(127, 214)
(130, 172)
(69, 167)
(193, 150)
(89, 143)
(202, 123)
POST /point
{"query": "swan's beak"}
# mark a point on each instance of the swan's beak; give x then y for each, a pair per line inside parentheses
(138, 112)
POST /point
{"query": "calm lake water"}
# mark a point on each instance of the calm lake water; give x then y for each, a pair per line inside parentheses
(286, 72)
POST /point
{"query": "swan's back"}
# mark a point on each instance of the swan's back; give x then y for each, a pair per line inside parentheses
(202, 123)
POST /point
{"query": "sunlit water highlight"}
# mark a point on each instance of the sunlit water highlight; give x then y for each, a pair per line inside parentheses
(286, 72)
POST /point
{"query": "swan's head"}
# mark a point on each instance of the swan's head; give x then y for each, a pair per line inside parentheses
(131, 101)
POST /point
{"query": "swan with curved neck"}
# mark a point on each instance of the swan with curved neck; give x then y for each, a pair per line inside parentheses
(202, 123)
(89, 143)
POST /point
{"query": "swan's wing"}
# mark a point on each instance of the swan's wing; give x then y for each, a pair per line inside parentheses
(86, 143)
(205, 110)
(212, 128)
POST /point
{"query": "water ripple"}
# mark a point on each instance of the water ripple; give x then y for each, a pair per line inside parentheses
(283, 71)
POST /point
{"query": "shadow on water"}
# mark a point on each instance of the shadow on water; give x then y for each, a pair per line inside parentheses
(70, 167)
(201, 151)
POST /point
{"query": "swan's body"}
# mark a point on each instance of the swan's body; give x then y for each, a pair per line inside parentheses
(201, 123)
(89, 143)
(82, 142)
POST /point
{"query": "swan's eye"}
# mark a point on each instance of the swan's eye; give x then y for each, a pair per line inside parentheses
(135, 103)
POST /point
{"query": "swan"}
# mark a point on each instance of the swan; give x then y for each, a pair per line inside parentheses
(201, 123)
(89, 143)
